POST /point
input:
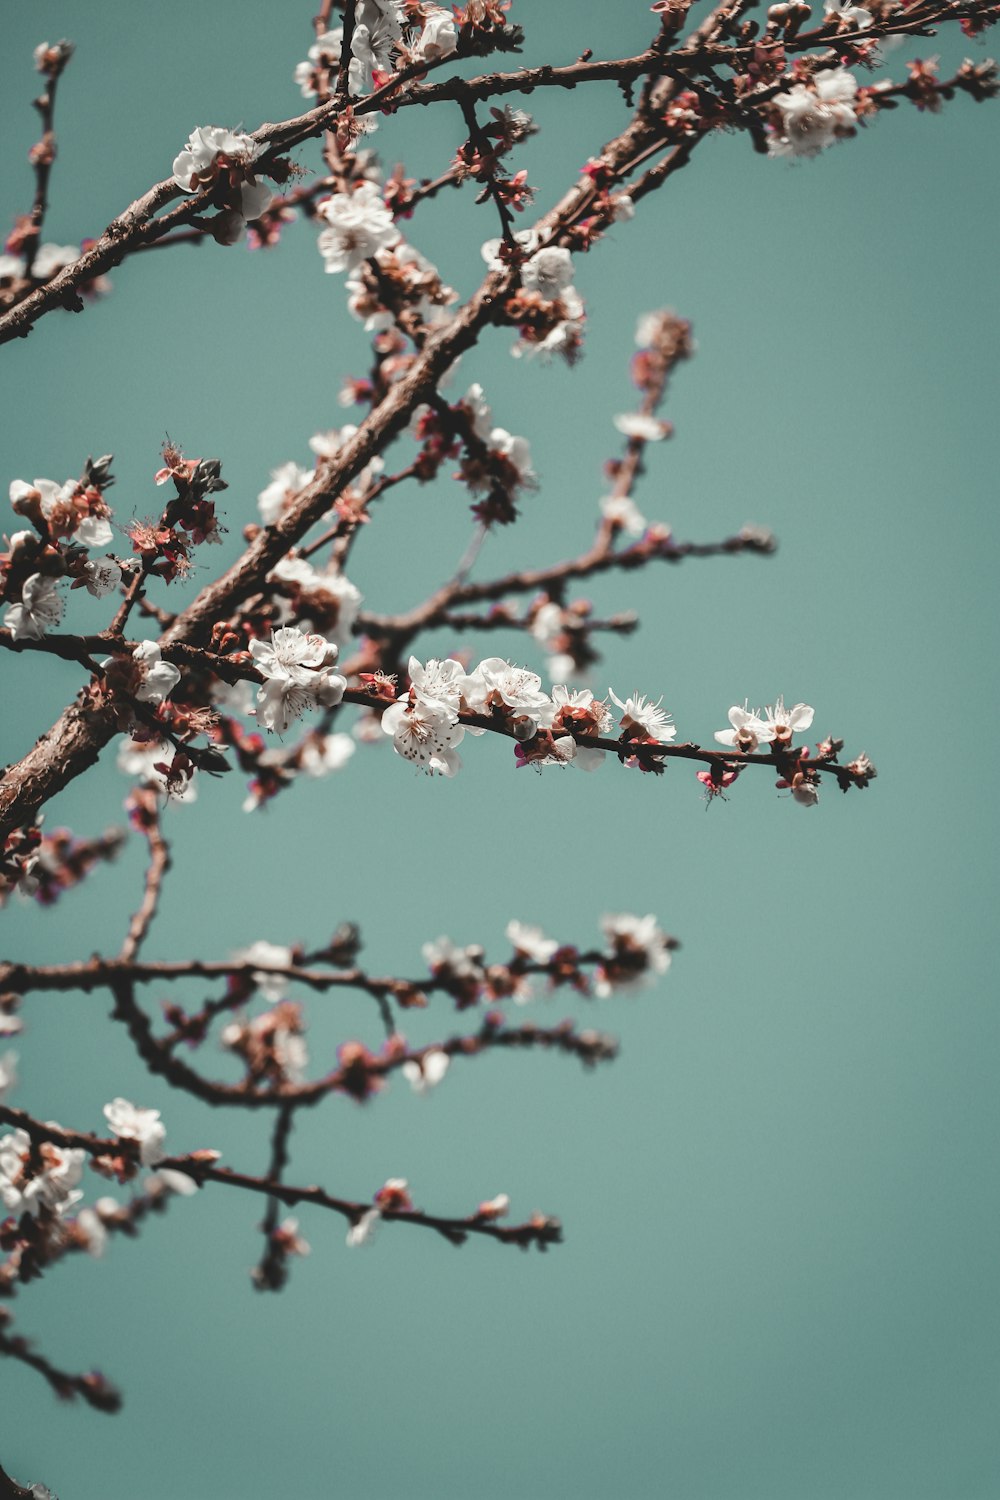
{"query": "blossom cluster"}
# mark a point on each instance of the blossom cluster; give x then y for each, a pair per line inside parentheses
(224, 160)
(813, 115)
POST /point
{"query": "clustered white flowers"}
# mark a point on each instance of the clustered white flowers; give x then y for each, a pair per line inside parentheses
(214, 154)
(36, 1178)
(640, 951)
(815, 115)
(298, 676)
(776, 725)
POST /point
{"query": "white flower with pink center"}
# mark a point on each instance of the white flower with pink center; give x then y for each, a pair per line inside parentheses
(439, 37)
(640, 713)
(747, 731)
(780, 723)
(496, 683)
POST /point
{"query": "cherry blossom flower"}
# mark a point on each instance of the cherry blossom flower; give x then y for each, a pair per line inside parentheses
(35, 1178)
(639, 714)
(55, 502)
(103, 575)
(40, 608)
(579, 710)
(426, 734)
(265, 956)
(142, 1125)
(525, 239)
(159, 678)
(437, 682)
(209, 151)
(92, 1232)
(287, 480)
(804, 790)
(297, 676)
(324, 53)
(853, 17)
(495, 683)
(358, 224)
(287, 1236)
(439, 37)
(50, 259)
(748, 729)
(549, 273)
(780, 724)
(623, 513)
(640, 951)
(363, 1232)
(530, 942)
(636, 424)
(143, 759)
(323, 754)
(426, 1074)
(494, 1208)
(813, 118)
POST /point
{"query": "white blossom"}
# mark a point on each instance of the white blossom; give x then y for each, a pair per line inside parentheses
(322, 754)
(52, 1182)
(324, 53)
(549, 273)
(92, 1229)
(266, 956)
(640, 951)
(639, 712)
(531, 941)
(198, 162)
(91, 531)
(358, 224)
(363, 1231)
(425, 734)
(622, 511)
(287, 480)
(636, 424)
(142, 1125)
(140, 759)
(439, 37)
(527, 239)
(853, 16)
(11, 268)
(50, 259)
(496, 681)
(159, 678)
(40, 608)
(426, 1074)
(172, 1182)
(748, 729)
(781, 723)
(103, 576)
(813, 118)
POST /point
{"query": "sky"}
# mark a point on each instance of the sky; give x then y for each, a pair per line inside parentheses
(780, 1201)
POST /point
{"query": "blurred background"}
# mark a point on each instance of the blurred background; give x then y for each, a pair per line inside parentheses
(780, 1203)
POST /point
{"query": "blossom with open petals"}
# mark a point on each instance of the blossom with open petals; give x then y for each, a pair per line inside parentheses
(425, 734)
(747, 731)
(781, 723)
(142, 1125)
(639, 713)
(426, 1074)
(159, 678)
(358, 223)
(439, 37)
(35, 1177)
(40, 607)
(209, 151)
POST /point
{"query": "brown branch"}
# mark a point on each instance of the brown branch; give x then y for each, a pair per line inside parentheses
(42, 156)
(200, 1166)
(159, 864)
(271, 1271)
(93, 1387)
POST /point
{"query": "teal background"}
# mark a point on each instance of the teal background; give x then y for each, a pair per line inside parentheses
(780, 1203)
